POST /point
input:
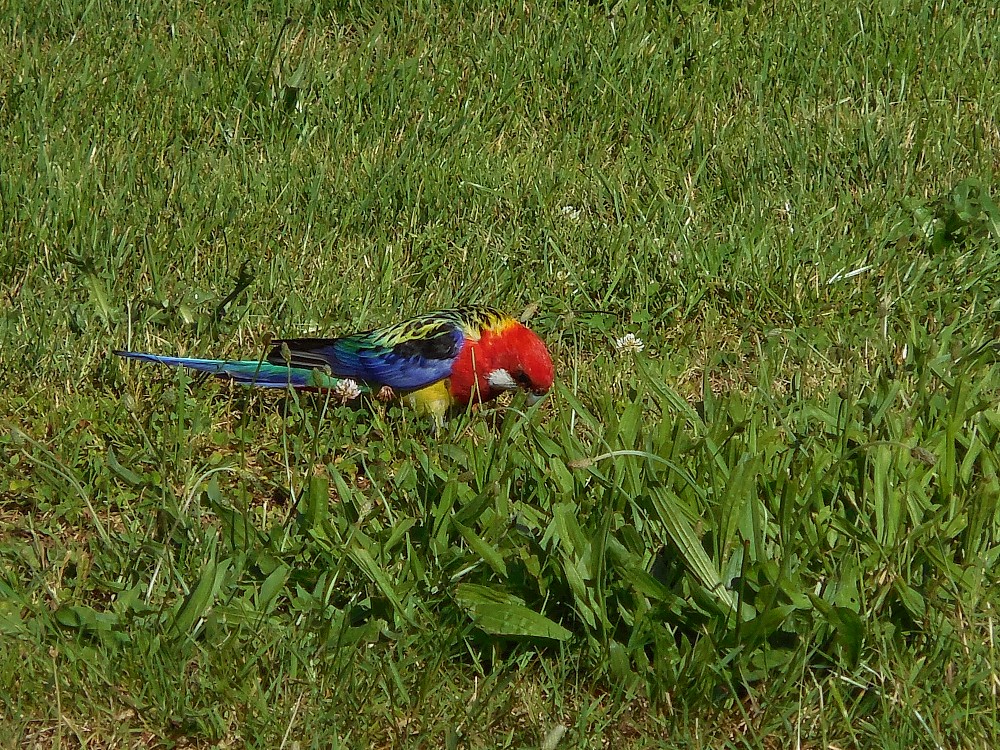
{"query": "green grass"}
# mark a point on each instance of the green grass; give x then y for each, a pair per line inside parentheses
(777, 524)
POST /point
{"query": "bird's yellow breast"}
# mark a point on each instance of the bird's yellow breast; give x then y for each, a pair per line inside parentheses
(435, 399)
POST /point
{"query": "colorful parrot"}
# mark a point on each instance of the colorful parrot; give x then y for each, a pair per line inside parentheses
(435, 361)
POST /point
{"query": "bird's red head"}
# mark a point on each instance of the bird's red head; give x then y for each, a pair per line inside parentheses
(505, 357)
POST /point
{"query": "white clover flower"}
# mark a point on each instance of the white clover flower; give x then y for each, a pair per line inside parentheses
(346, 390)
(629, 344)
(572, 212)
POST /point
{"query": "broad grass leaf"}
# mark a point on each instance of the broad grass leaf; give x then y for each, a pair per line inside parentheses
(12, 622)
(850, 632)
(442, 511)
(991, 214)
(99, 296)
(765, 624)
(238, 530)
(629, 422)
(561, 475)
(888, 505)
(582, 411)
(742, 480)
(317, 499)
(912, 599)
(87, 619)
(481, 547)
(123, 472)
(576, 579)
(500, 613)
(694, 555)
(574, 554)
(673, 399)
(200, 599)
(371, 569)
(272, 586)
(546, 445)
(399, 530)
(629, 567)
(848, 625)
(566, 529)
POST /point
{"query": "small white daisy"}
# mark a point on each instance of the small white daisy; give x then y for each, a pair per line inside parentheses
(572, 212)
(346, 390)
(629, 344)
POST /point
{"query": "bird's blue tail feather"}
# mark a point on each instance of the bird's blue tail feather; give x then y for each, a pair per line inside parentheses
(248, 372)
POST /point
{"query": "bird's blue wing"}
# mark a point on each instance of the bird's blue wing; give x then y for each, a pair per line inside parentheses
(404, 357)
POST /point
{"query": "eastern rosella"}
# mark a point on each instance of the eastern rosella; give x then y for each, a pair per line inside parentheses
(444, 358)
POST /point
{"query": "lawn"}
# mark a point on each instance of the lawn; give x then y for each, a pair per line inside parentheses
(775, 525)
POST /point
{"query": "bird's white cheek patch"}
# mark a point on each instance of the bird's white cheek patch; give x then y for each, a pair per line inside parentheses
(501, 380)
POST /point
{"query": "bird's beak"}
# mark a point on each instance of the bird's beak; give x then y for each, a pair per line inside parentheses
(534, 398)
